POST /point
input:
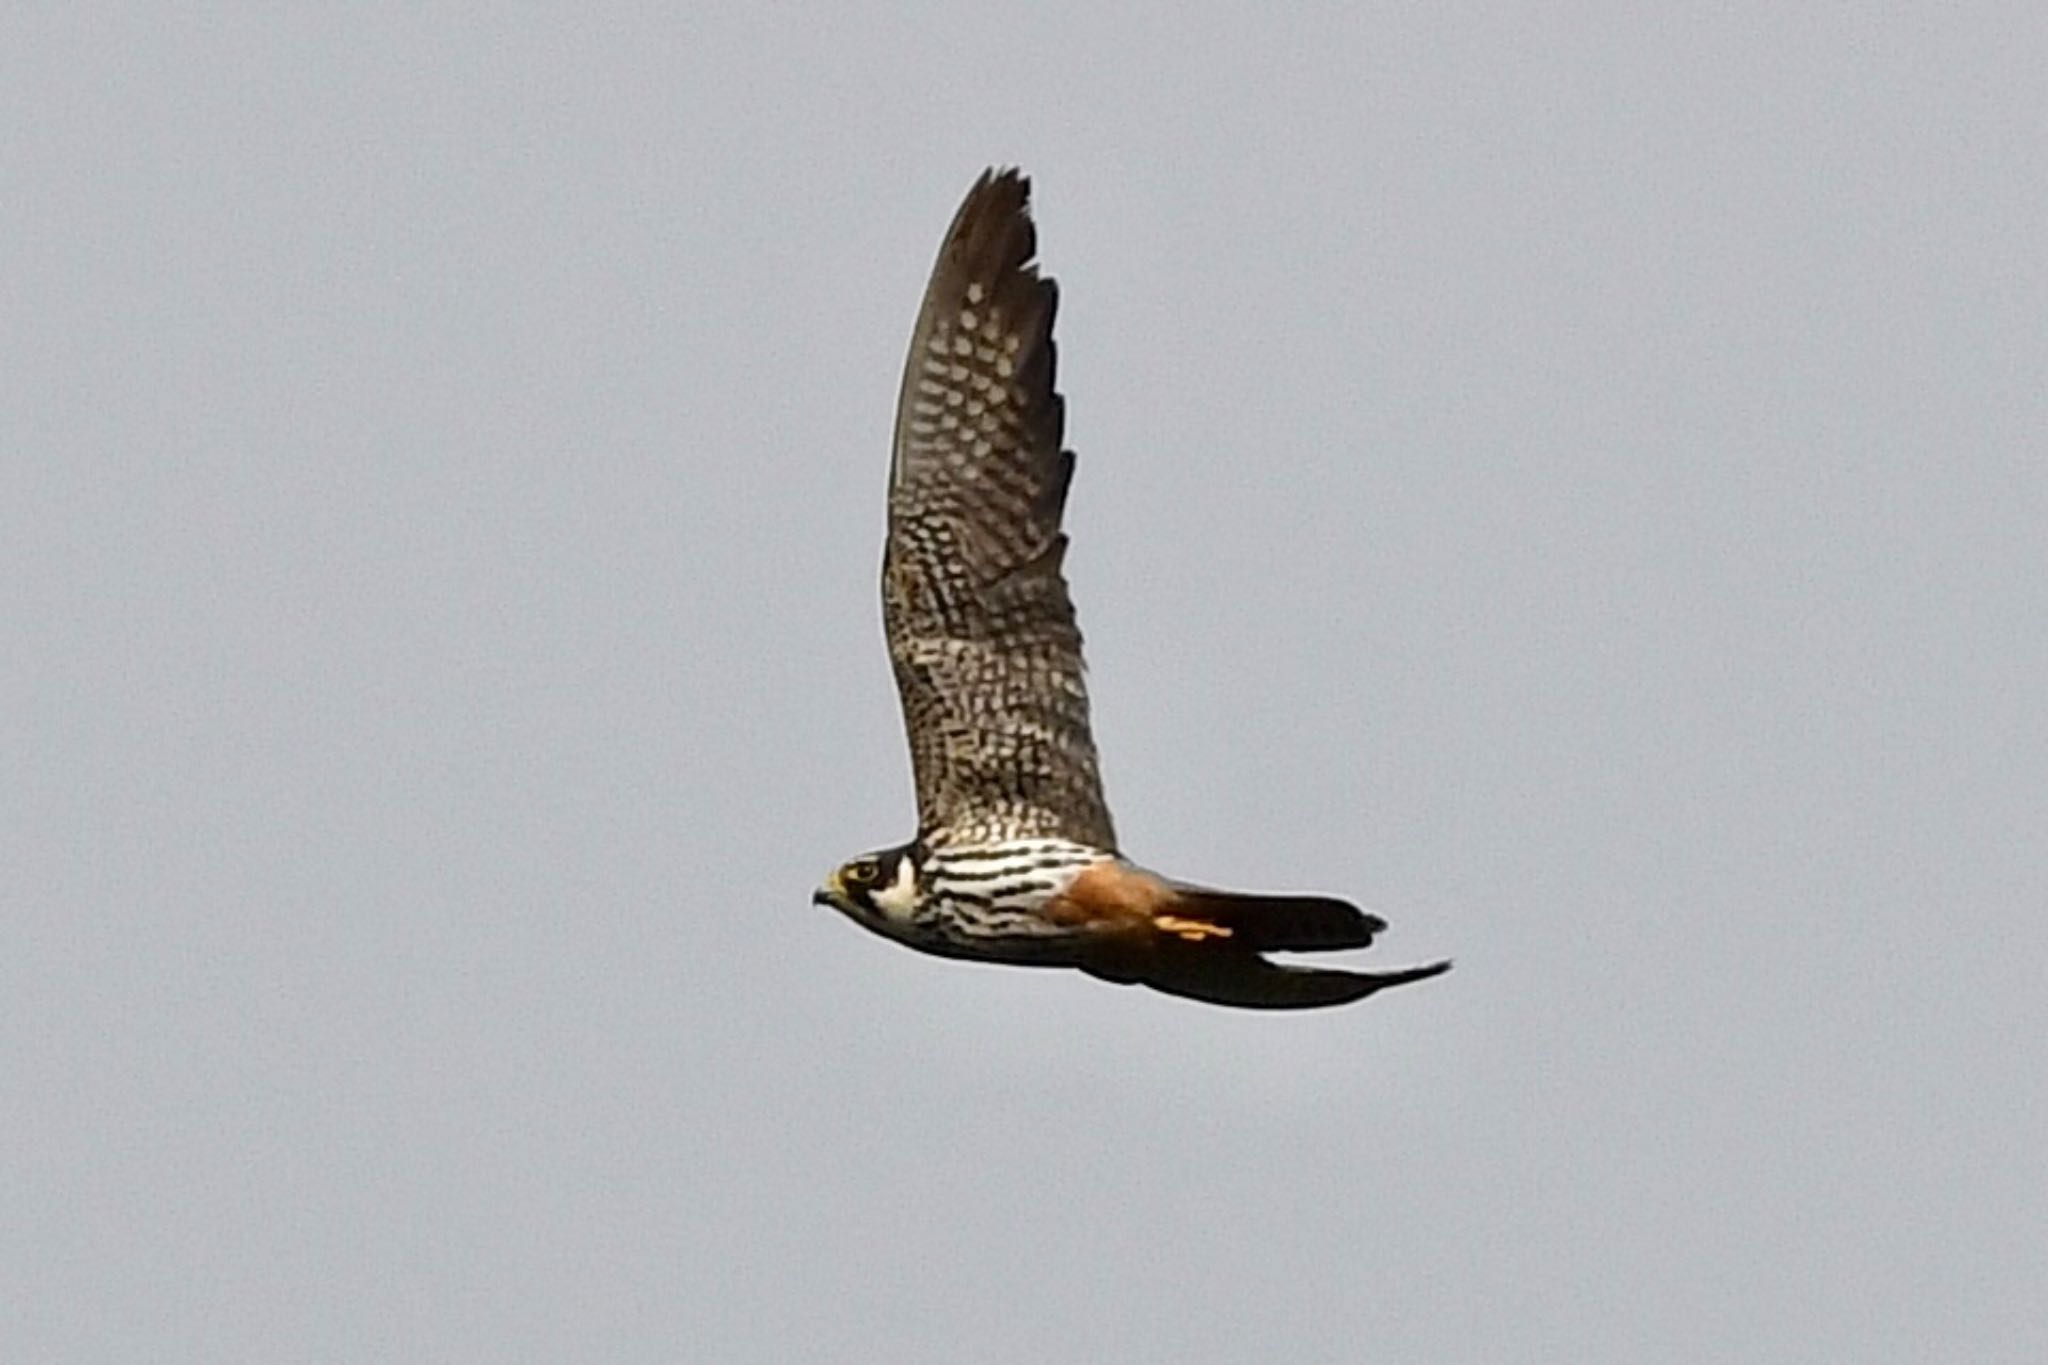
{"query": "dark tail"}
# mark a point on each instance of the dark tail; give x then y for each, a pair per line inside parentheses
(1264, 924)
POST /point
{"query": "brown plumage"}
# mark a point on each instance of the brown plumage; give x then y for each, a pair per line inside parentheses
(981, 630)
(1016, 858)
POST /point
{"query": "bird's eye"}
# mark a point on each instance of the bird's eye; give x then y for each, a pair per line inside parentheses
(862, 870)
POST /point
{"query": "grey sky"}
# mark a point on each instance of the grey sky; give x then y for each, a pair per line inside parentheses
(1573, 483)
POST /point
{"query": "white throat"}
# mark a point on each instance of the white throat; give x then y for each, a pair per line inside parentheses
(899, 897)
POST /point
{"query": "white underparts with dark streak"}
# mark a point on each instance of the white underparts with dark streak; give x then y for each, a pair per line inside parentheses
(988, 901)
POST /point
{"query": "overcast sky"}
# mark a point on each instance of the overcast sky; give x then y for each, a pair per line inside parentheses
(1572, 483)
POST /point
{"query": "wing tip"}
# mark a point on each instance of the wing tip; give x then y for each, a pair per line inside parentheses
(1008, 181)
(1236, 979)
(992, 235)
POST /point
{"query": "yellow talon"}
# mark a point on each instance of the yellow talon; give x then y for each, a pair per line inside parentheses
(1193, 930)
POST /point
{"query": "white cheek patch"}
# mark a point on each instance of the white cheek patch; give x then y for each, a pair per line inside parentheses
(897, 899)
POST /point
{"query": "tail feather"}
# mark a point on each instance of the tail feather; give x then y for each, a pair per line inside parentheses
(1301, 924)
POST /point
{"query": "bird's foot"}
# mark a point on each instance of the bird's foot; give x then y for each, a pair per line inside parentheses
(1193, 930)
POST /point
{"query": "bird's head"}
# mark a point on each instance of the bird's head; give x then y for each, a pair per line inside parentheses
(878, 890)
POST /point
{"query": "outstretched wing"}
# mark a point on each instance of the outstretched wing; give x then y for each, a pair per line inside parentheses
(981, 630)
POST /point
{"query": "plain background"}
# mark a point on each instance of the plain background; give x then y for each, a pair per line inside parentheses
(1572, 481)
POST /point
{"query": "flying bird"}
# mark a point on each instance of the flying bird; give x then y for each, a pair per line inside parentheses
(1015, 859)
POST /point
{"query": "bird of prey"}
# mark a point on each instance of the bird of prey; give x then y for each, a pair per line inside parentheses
(1015, 859)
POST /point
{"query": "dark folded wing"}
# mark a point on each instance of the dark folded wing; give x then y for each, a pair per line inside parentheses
(981, 630)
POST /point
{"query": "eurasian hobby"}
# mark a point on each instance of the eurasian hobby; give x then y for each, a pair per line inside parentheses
(1015, 859)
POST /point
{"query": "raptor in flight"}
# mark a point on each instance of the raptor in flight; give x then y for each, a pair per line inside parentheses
(1015, 859)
